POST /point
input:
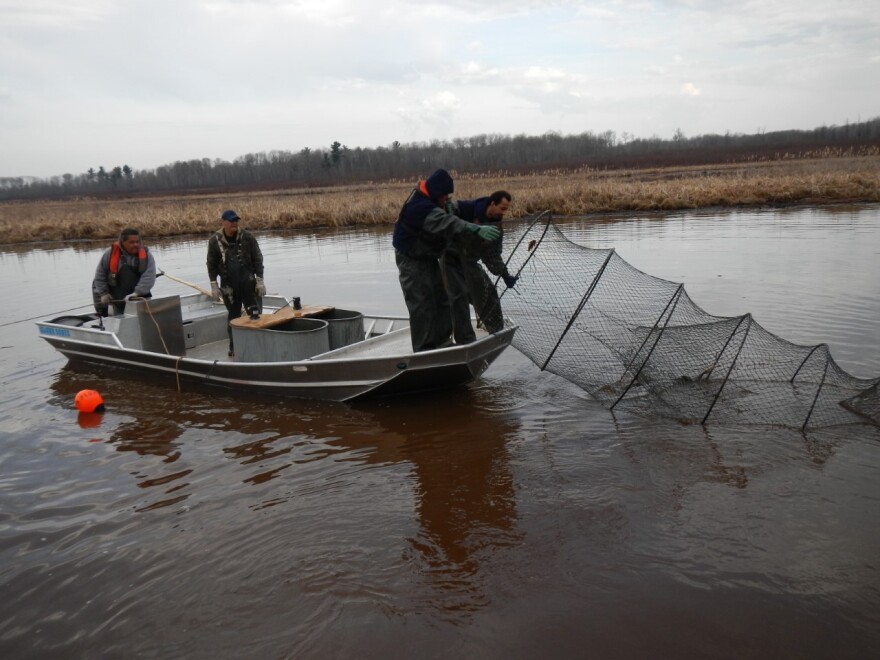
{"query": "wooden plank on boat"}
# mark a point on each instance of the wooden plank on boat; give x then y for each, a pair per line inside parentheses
(282, 315)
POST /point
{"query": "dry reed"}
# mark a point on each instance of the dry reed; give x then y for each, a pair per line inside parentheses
(826, 179)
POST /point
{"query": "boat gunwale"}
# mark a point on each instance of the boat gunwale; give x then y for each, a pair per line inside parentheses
(316, 359)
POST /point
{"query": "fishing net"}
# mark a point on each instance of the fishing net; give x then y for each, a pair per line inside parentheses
(639, 343)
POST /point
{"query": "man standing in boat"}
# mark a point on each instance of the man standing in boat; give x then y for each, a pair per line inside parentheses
(235, 256)
(126, 270)
(467, 281)
(423, 230)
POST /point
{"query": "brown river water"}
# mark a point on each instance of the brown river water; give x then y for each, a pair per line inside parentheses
(511, 518)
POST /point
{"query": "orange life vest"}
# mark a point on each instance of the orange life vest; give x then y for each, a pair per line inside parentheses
(116, 258)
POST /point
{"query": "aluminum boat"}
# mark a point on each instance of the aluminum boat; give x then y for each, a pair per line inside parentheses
(314, 352)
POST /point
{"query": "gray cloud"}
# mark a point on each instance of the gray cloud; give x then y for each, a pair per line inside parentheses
(155, 82)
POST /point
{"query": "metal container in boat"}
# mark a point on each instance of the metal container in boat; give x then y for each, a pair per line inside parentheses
(296, 339)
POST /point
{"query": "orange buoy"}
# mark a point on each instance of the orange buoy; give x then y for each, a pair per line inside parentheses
(89, 401)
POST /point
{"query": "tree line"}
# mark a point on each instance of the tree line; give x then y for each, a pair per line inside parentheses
(340, 164)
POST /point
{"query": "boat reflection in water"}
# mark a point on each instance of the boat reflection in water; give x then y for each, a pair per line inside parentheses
(445, 482)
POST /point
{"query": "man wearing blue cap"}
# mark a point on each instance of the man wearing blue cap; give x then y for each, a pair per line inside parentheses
(421, 234)
(235, 256)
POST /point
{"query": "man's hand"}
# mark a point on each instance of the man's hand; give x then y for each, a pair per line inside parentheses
(260, 288)
(488, 233)
(509, 280)
(105, 299)
(215, 291)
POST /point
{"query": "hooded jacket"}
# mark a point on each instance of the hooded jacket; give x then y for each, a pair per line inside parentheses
(423, 228)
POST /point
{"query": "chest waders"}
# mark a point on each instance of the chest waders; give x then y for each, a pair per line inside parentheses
(241, 282)
(122, 283)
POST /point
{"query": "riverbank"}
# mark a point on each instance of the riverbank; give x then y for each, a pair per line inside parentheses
(820, 180)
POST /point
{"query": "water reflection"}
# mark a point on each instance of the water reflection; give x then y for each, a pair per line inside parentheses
(466, 502)
(482, 519)
(683, 459)
(458, 466)
(720, 469)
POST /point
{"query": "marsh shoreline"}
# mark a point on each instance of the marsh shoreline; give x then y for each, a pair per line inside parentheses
(784, 183)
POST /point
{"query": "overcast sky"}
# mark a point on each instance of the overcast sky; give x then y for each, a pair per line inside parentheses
(85, 83)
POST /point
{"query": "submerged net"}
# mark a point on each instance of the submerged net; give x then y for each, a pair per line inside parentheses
(639, 343)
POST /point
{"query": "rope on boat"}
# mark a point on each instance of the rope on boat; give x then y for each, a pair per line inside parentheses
(156, 323)
(177, 373)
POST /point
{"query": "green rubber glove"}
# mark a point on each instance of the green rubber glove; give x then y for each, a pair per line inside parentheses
(488, 233)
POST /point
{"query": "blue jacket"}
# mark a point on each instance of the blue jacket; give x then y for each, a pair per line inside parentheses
(423, 229)
(473, 210)
(470, 248)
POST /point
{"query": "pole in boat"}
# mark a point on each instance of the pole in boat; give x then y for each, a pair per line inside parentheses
(189, 284)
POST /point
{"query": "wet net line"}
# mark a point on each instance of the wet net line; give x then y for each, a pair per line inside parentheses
(638, 343)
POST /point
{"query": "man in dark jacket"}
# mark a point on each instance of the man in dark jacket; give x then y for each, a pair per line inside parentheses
(235, 256)
(126, 270)
(421, 234)
(467, 282)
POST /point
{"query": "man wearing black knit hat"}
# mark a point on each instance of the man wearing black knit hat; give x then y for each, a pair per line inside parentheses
(421, 233)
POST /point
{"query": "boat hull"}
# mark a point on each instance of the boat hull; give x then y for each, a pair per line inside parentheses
(368, 369)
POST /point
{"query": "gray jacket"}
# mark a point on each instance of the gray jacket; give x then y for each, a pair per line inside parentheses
(101, 283)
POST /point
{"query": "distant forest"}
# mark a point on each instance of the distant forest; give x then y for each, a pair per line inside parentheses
(499, 154)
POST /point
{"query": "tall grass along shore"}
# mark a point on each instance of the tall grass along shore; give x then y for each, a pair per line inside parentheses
(578, 192)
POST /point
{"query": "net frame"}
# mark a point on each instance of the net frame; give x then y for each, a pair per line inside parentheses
(639, 343)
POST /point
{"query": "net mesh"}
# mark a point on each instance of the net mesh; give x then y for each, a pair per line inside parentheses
(638, 343)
